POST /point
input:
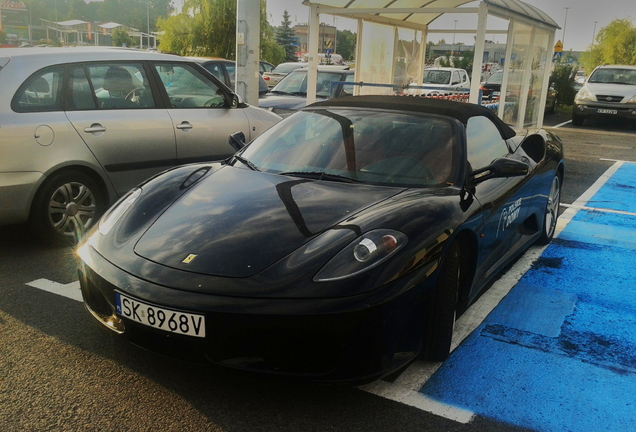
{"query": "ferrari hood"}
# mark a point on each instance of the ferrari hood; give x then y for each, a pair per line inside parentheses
(236, 223)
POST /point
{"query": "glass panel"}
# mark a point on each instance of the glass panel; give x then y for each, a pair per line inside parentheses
(41, 92)
(376, 63)
(407, 60)
(518, 65)
(187, 88)
(539, 69)
(483, 142)
(121, 86)
(81, 94)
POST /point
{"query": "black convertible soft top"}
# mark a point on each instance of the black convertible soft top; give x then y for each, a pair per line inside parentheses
(459, 110)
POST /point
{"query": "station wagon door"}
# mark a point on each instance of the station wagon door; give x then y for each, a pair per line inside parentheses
(202, 119)
(112, 108)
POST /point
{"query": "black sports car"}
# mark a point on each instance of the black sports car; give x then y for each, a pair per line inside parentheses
(338, 246)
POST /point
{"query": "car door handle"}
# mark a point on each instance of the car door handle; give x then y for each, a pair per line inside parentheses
(184, 126)
(95, 128)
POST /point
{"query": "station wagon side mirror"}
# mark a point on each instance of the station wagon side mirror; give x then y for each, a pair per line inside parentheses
(502, 167)
(237, 140)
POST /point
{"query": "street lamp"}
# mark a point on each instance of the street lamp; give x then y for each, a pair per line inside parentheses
(594, 32)
(454, 31)
(565, 24)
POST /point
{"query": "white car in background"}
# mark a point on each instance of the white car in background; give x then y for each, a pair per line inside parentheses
(441, 80)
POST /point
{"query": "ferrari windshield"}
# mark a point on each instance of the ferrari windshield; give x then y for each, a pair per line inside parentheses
(370, 146)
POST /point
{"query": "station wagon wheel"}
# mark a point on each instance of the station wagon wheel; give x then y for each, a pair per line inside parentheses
(551, 212)
(444, 308)
(65, 207)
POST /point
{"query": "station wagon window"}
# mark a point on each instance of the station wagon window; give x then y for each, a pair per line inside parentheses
(120, 86)
(484, 142)
(81, 93)
(41, 92)
(188, 88)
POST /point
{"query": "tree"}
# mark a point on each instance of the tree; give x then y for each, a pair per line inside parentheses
(208, 28)
(346, 44)
(286, 38)
(3, 37)
(562, 78)
(121, 38)
(615, 44)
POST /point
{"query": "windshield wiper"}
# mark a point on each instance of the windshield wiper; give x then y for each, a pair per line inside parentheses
(280, 92)
(245, 162)
(320, 175)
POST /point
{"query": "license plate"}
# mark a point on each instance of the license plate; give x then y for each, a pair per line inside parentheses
(606, 111)
(169, 320)
(496, 93)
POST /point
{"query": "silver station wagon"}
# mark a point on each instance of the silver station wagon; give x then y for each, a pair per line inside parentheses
(79, 127)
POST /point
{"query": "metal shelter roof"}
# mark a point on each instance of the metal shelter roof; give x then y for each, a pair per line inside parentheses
(421, 13)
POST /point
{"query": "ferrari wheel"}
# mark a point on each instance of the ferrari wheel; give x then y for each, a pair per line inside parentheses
(444, 310)
(551, 212)
(65, 207)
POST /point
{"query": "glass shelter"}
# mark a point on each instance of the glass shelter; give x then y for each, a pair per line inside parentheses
(391, 42)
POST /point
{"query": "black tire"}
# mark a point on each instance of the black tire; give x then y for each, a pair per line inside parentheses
(65, 207)
(551, 213)
(444, 307)
(577, 120)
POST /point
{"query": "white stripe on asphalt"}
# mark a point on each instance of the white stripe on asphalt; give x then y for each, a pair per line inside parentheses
(406, 387)
(562, 124)
(70, 290)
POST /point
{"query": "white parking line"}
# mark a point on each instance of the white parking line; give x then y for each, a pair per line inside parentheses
(405, 388)
(70, 290)
(562, 124)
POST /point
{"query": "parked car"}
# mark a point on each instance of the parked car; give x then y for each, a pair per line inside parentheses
(610, 91)
(491, 91)
(225, 70)
(337, 246)
(441, 80)
(265, 67)
(82, 126)
(290, 95)
(279, 72)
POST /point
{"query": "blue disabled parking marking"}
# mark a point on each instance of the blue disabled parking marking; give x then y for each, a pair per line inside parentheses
(559, 352)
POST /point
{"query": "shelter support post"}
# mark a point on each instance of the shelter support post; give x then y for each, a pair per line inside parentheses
(356, 89)
(506, 70)
(480, 43)
(247, 49)
(546, 78)
(312, 67)
(527, 76)
(420, 71)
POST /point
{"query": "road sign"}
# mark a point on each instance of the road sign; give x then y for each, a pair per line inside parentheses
(558, 47)
(328, 52)
(328, 43)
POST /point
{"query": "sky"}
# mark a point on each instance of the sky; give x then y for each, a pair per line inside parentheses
(579, 27)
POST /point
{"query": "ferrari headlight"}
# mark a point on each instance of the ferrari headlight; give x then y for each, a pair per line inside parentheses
(364, 253)
(584, 96)
(117, 211)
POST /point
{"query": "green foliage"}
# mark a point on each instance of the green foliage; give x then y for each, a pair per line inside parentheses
(562, 78)
(614, 44)
(286, 37)
(3, 37)
(208, 28)
(346, 44)
(121, 38)
(463, 60)
(177, 34)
